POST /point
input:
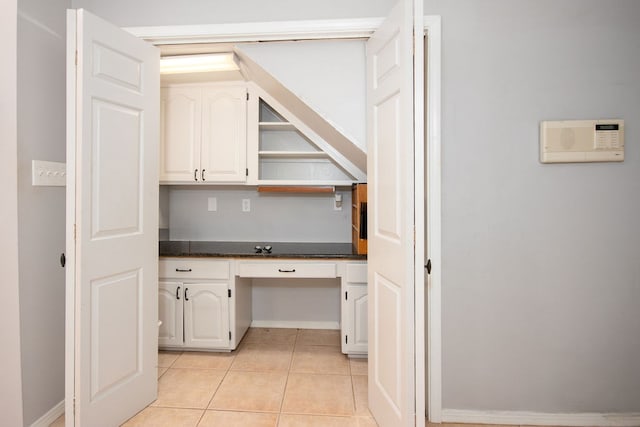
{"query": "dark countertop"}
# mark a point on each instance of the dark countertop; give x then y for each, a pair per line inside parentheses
(246, 250)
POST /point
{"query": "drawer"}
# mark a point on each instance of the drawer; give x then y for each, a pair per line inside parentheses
(356, 273)
(287, 269)
(188, 268)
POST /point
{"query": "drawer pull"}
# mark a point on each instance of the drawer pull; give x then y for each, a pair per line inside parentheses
(178, 293)
(183, 270)
(293, 270)
(186, 295)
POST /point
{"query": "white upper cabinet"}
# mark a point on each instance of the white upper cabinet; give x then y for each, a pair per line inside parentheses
(181, 111)
(204, 134)
(223, 155)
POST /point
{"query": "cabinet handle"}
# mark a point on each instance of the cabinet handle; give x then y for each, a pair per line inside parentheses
(183, 270)
(186, 297)
(202, 174)
(178, 293)
(195, 174)
(293, 270)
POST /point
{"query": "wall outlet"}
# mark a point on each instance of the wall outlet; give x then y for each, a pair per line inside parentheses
(246, 205)
(212, 204)
(337, 202)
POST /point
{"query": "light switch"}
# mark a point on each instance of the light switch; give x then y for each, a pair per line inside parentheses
(212, 204)
(246, 205)
(52, 174)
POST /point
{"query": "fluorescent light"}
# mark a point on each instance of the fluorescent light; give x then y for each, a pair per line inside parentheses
(198, 63)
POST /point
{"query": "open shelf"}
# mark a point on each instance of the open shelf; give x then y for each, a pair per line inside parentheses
(286, 155)
(293, 155)
(276, 126)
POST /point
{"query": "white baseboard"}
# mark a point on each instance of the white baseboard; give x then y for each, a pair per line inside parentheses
(47, 419)
(540, 418)
(294, 324)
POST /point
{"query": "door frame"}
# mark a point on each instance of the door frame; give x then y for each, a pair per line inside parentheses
(428, 366)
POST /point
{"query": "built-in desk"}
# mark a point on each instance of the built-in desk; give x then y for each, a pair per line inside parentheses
(205, 298)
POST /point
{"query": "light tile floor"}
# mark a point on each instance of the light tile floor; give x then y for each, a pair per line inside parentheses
(276, 378)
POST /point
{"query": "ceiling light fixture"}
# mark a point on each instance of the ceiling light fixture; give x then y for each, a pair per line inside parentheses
(198, 63)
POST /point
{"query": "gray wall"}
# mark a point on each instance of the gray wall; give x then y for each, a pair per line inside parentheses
(273, 217)
(10, 371)
(127, 13)
(541, 279)
(41, 210)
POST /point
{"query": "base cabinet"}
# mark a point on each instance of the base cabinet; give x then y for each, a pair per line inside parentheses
(355, 301)
(194, 315)
(202, 305)
(356, 330)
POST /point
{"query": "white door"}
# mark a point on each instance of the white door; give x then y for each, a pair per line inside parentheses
(171, 314)
(390, 167)
(181, 109)
(224, 134)
(206, 315)
(112, 196)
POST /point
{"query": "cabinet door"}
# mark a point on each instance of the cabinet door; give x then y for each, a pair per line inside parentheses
(181, 132)
(170, 313)
(206, 315)
(224, 134)
(357, 324)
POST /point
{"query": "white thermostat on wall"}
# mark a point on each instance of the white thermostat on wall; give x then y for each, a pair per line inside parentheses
(582, 141)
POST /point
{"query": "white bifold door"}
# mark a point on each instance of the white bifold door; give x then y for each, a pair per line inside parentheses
(390, 175)
(112, 222)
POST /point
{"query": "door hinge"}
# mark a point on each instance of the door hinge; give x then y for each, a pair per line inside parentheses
(229, 335)
(414, 236)
(229, 292)
(428, 266)
(345, 296)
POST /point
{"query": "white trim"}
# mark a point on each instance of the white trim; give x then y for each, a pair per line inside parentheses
(421, 192)
(294, 324)
(432, 25)
(541, 418)
(258, 31)
(53, 414)
(70, 244)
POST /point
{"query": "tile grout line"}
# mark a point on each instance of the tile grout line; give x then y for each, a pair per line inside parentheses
(218, 387)
(284, 392)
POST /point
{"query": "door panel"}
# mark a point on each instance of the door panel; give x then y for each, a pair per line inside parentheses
(170, 312)
(224, 134)
(206, 315)
(390, 117)
(181, 110)
(116, 182)
(113, 200)
(358, 318)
